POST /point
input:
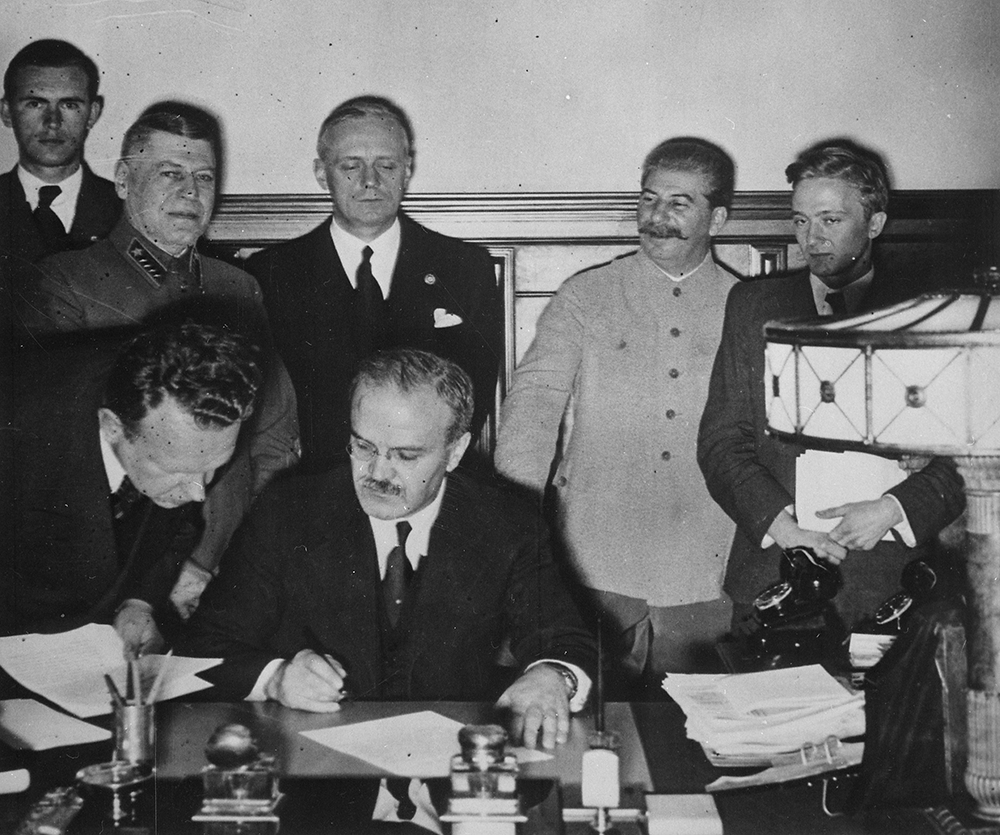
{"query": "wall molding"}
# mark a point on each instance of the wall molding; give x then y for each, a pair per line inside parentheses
(255, 220)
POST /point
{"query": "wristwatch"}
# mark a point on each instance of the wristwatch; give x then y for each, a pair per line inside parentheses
(572, 684)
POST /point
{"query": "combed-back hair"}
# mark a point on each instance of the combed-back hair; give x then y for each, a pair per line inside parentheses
(176, 117)
(51, 53)
(844, 159)
(213, 374)
(367, 105)
(691, 153)
(408, 369)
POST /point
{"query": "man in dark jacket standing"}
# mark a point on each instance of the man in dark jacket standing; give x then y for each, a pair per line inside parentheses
(371, 278)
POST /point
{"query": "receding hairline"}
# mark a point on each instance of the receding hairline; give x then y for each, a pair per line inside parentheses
(322, 141)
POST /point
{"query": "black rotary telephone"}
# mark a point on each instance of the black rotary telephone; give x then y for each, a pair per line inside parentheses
(807, 584)
(794, 615)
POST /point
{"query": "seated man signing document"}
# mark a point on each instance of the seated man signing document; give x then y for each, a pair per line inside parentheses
(398, 577)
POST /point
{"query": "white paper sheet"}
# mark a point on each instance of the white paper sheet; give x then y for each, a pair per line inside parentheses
(68, 668)
(829, 479)
(414, 745)
(27, 724)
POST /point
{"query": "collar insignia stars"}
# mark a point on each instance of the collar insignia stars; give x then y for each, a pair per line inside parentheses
(156, 272)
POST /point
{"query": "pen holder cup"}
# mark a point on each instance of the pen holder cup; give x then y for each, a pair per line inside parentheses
(135, 734)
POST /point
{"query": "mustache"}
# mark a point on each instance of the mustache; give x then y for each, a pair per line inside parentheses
(664, 231)
(385, 488)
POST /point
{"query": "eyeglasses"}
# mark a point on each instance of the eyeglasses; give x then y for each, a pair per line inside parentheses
(365, 452)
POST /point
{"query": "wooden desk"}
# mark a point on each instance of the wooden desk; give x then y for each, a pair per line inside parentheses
(656, 756)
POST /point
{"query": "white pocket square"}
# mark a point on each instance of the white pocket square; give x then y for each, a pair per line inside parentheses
(444, 319)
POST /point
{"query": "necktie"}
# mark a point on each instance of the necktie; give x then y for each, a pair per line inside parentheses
(371, 306)
(47, 220)
(126, 497)
(397, 575)
(837, 303)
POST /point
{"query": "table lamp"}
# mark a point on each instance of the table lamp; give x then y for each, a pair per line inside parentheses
(922, 378)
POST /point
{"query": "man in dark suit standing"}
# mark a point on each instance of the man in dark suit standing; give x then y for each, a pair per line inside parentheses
(110, 450)
(839, 198)
(52, 201)
(372, 278)
(398, 577)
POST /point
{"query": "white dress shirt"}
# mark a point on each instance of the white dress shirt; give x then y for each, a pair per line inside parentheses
(385, 249)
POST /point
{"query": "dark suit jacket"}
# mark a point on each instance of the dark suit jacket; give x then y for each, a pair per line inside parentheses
(752, 475)
(303, 573)
(97, 210)
(61, 563)
(310, 304)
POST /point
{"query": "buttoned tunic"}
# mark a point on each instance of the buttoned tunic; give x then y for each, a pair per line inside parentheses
(625, 353)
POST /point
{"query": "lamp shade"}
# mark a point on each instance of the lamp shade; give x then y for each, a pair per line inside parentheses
(922, 376)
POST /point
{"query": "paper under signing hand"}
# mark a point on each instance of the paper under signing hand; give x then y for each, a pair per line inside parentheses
(68, 668)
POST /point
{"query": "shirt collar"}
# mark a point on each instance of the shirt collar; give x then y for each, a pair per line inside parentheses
(421, 523)
(679, 278)
(385, 248)
(112, 466)
(65, 204)
(853, 292)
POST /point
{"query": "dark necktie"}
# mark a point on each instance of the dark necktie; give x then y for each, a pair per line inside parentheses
(371, 306)
(53, 232)
(398, 572)
(837, 303)
(124, 499)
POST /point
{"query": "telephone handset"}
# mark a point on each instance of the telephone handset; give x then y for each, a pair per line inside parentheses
(918, 581)
(807, 584)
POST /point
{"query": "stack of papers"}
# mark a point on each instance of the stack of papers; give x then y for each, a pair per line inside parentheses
(68, 668)
(751, 718)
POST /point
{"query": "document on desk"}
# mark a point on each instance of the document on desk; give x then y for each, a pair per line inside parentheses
(29, 725)
(413, 745)
(68, 668)
(750, 718)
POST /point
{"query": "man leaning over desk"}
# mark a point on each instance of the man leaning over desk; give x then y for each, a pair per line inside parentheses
(112, 454)
(315, 598)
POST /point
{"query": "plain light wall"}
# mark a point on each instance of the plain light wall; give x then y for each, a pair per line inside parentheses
(550, 95)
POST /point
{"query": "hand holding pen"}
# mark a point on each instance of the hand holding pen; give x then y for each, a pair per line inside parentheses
(311, 681)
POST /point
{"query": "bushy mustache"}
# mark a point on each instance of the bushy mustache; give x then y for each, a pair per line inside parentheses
(664, 231)
(385, 488)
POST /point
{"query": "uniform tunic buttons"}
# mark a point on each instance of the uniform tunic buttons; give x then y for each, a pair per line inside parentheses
(674, 373)
(675, 331)
(677, 291)
(671, 414)
(561, 481)
(665, 455)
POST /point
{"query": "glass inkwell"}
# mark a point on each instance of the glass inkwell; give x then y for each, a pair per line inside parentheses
(484, 796)
(240, 786)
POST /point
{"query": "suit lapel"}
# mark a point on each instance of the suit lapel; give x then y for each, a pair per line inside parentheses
(19, 233)
(447, 571)
(91, 217)
(344, 591)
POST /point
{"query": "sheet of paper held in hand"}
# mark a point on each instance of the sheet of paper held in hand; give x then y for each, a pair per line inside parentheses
(413, 745)
(68, 668)
(830, 479)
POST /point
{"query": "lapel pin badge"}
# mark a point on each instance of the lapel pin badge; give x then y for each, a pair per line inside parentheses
(430, 279)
